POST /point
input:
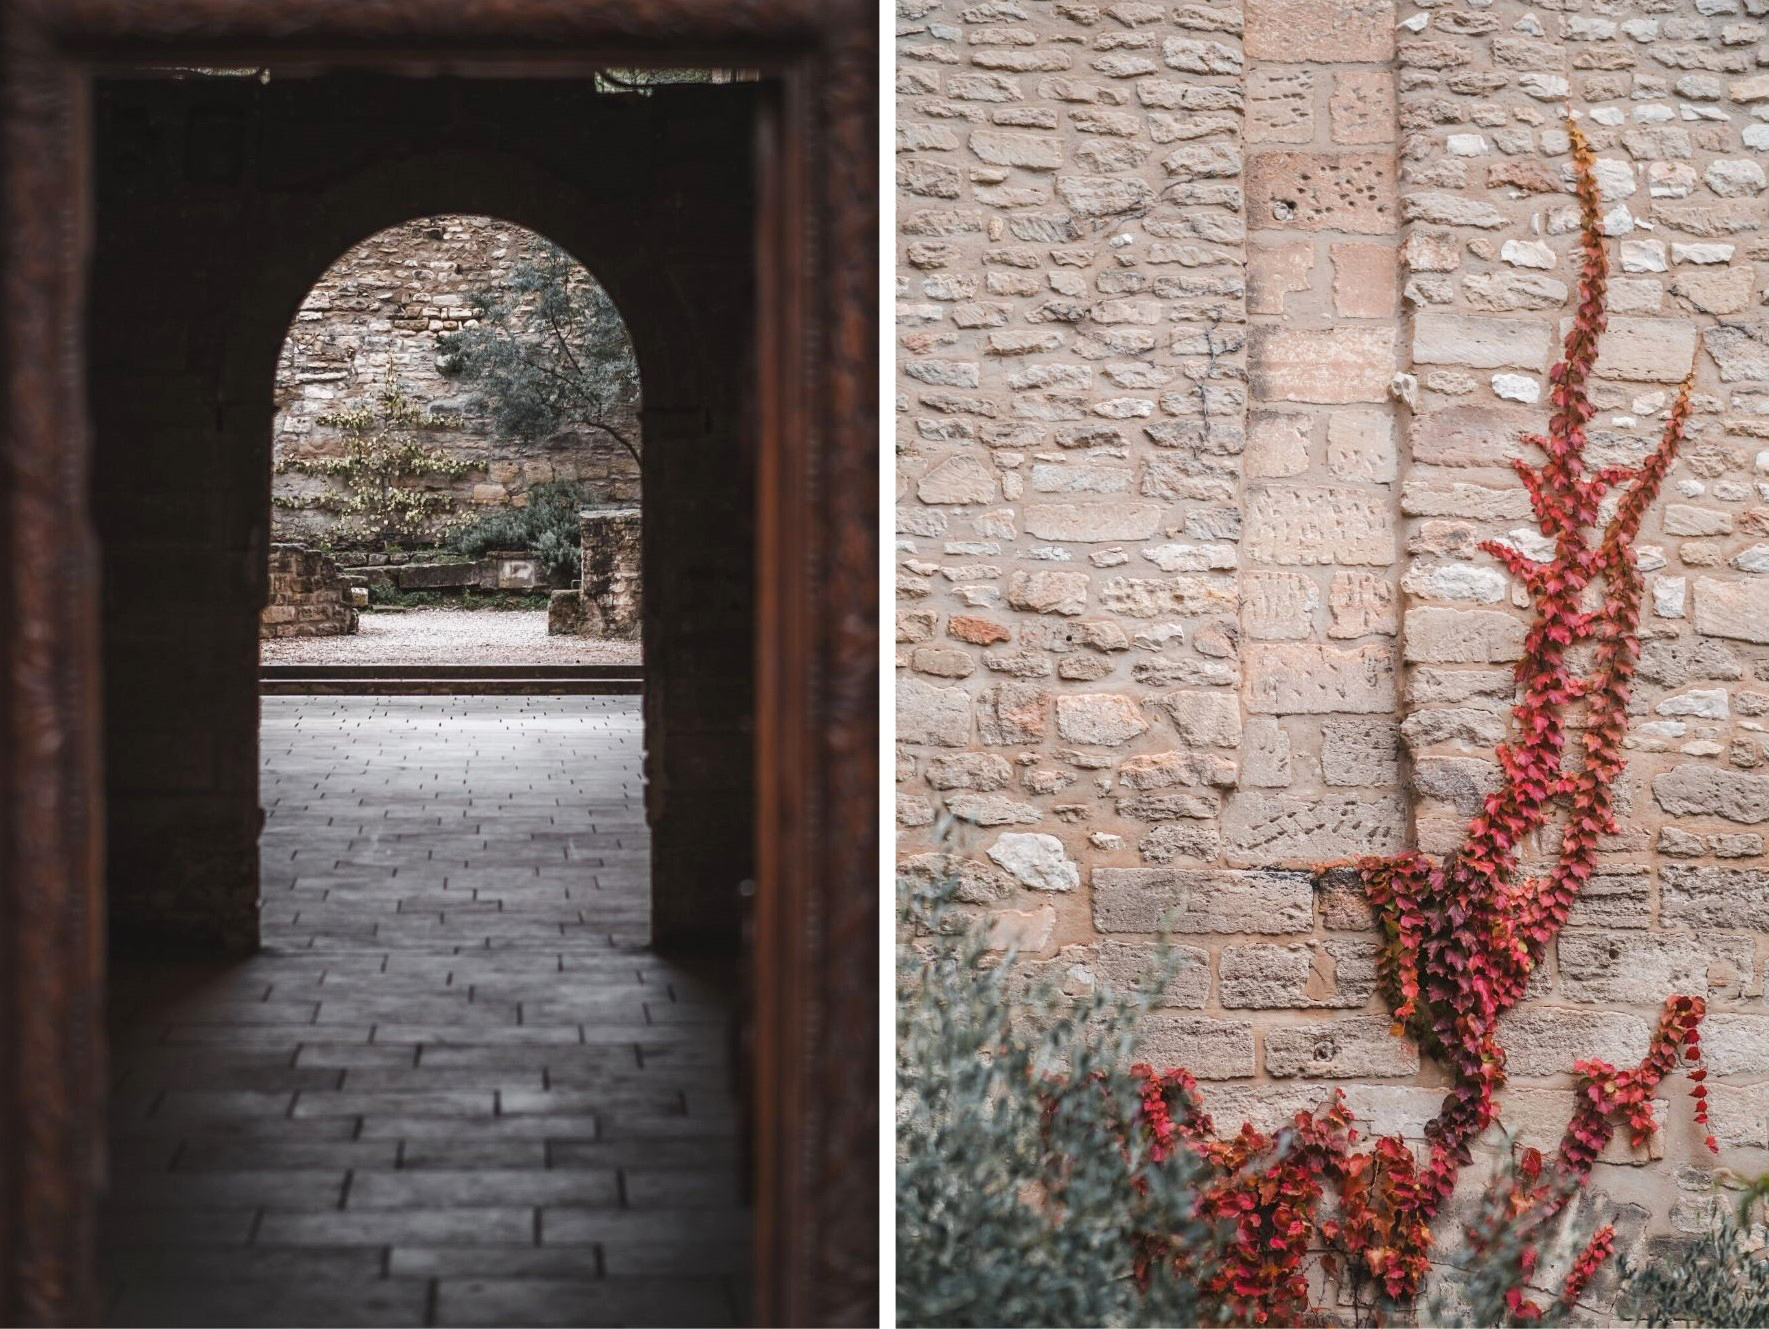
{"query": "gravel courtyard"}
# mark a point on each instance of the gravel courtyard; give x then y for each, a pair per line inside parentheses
(450, 636)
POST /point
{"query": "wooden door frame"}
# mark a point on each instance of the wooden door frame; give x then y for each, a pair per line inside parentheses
(814, 1021)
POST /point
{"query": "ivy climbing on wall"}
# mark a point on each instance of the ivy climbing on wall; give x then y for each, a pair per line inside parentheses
(1462, 936)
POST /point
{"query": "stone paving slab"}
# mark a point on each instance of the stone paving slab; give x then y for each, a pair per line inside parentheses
(454, 1088)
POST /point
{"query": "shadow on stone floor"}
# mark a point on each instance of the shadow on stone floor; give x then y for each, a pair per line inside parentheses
(455, 1088)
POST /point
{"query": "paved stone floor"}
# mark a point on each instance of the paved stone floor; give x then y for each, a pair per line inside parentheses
(454, 1089)
(449, 636)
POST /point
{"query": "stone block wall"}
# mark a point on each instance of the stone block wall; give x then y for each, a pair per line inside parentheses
(1218, 326)
(382, 306)
(608, 600)
(309, 597)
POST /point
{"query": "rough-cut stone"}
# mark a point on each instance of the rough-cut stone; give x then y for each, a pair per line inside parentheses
(1463, 636)
(1205, 719)
(1302, 525)
(1104, 718)
(1546, 1040)
(1048, 592)
(1643, 969)
(1310, 678)
(1286, 829)
(1202, 900)
(1265, 976)
(1735, 609)
(1278, 606)
(1691, 790)
(1330, 367)
(1036, 861)
(1480, 343)
(1092, 523)
(1218, 1049)
(1705, 897)
(1348, 1047)
(1360, 752)
(930, 714)
(959, 480)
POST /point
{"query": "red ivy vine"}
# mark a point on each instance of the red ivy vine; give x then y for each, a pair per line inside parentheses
(1462, 937)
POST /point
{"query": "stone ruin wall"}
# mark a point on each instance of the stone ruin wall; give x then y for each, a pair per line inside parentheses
(384, 303)
(1217, 327)
(309, 597)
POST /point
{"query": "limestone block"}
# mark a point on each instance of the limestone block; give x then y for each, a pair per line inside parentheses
(1202, 900)
(1740, 350)
(1049, 592)
(1280, 105)
(1734, 1044)
(1311, 678)
(1546, 1040)
(1714, 897)
(1303, 525)
(1007, 714)
(1085, 523)
(1481, 343)
(1360, 752)
(1261, 829)
(1210, 1049)
(982, 771)
(927, 713)
(1038, 862)
(1332, 974)
(1320, 31)
(1353, 192)
(1336, 366)
(1122, 967)
(1205, 719)
(1278, 606)
(1645, 350)
(1346, 1048)
(1362, 604)
(1104, 718)
(959, 480)
(1643, 969)
(1463, 636)
(1736, 609)
(1362, 107)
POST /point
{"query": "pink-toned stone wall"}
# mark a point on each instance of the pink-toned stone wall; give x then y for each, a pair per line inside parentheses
(1217, 328)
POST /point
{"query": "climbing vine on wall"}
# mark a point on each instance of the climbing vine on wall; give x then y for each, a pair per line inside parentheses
(381, 496)
(1463, 936)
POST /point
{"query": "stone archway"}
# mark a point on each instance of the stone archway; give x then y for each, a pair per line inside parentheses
(221, 202)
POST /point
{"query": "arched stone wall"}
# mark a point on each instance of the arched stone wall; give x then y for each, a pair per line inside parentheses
(222, 202)
(379, 310)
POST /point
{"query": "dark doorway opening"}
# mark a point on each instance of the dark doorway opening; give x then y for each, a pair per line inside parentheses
(457, 1085)
(812, 1112)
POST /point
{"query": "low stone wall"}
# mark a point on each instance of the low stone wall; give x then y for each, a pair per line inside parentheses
(607, 605)
(309, 597)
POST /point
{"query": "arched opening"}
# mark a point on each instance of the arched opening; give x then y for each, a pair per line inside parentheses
(434, 1056)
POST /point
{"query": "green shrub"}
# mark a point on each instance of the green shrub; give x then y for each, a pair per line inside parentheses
(1018, 1202)
(546, 526)
(1722, 1279)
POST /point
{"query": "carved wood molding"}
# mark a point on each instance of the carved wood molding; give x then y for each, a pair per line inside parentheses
(816, 998)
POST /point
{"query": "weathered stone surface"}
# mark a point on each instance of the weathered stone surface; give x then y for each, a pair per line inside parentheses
(1642, 969)
(1331, 367)
(1038, 862)
(1301, 525)
(1348, 1047)
(1278, 606)
(1711, 897)
(1286, 829)
(930, 714)
(1360, 752)
(1045, 592)
(1289, 30)
(1692, 790)
(1734, 1044)
(1462, 636)
(1264, 976)
(959, 480)
(1310, 678)
(1737, 609)
(1205, 719)
(1122, 967)
(1092, 523)
(1219, 1049)
(1546, 1040)
(1202, 900)
(1481, 343)
(1352, 192)
(1104, 718)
